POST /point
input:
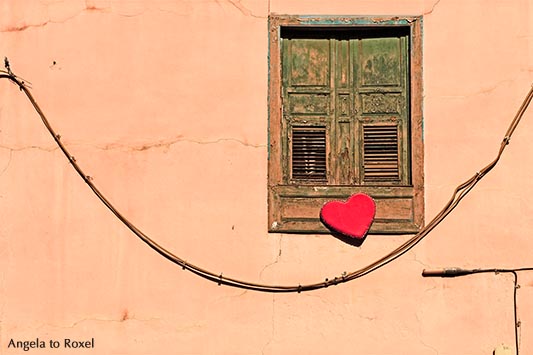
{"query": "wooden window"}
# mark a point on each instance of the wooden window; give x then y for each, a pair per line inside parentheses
(345, 117)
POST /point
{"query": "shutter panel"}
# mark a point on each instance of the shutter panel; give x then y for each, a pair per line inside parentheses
(380, 153)
(308, 153)
(384, 111)
(340, 123)
(307, 103)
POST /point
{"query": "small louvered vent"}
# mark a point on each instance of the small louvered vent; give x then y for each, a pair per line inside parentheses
(380, 153)
(309, 153)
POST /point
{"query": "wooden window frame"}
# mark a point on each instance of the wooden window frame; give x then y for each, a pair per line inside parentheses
(294, 207)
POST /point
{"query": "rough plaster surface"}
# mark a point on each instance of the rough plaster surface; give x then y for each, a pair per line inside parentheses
(164, 103)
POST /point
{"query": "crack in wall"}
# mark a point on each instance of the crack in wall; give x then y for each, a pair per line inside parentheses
(430, 288)
(29, 147)
(90, 7)
(432, 8)
(121, 319)
(329, 305)
(219, 4)
(161, 144)
(278, 257)
(368, 318)
(8, 163)
(169, 143)
(490, 89)
(429, 347)
(418, 261)
(243, 9)
(25, 26)
(19, 28)
(228, 297)
(420, 338)
(322, 299)
(273, 322)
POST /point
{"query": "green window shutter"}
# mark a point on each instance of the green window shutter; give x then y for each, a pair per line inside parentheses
(344, 127)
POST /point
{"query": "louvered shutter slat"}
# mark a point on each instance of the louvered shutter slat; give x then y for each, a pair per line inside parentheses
(380, 153)
(309, 153)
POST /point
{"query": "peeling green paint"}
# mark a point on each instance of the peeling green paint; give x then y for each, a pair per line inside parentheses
(353, 20)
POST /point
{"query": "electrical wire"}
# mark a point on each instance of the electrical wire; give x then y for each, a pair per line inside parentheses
(458, 272)
(459, 193)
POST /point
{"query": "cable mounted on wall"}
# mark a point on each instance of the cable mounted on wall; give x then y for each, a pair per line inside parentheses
(458, 272)
(459, 193)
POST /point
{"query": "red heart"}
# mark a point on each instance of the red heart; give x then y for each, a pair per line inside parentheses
(352, 218)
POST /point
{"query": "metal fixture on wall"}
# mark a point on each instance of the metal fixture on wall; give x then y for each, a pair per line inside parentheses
(458, 272)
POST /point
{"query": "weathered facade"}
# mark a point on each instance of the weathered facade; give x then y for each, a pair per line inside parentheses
(167, 105)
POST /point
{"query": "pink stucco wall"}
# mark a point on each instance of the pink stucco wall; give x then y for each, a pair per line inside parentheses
(164, 104)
